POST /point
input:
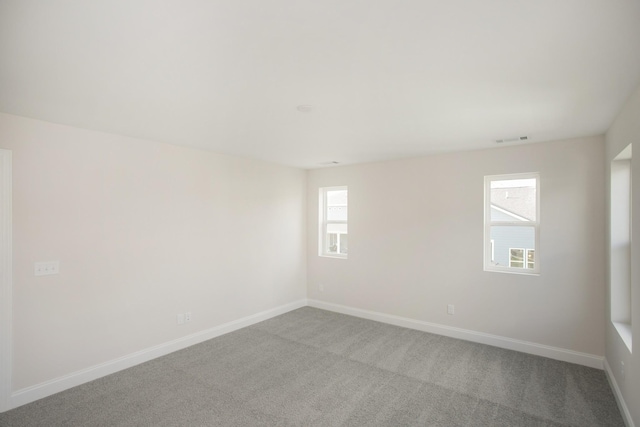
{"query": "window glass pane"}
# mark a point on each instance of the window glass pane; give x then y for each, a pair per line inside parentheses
(516, 258)
(531, 258)
(336, 213)
(333, 222)
(337, 243)
(337, 228)
(343, 243)
(337, 198)
(511, 237)
(337, 205)
(513, 200)
(332, 243)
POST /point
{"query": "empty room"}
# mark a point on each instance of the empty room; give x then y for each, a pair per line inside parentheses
(319, 213)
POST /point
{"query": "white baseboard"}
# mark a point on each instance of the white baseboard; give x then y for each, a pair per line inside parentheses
(38, 391)
(557, 353)
(624, 410)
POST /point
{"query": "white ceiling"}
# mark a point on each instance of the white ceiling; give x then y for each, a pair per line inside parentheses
(387, 78)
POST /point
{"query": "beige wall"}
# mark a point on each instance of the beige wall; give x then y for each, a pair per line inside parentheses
(143, 231)
(624, 131)
(416, 244)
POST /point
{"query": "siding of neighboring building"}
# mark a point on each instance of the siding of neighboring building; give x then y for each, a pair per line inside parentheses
(510, 237)
(505, 238)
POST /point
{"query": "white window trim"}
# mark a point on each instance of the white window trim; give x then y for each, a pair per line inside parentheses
(6, 282)
(493, 252)
(488, 264)
(620, 237)
(323, 223)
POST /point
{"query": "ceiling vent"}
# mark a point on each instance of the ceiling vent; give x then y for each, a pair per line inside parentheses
(516, 139)
(304, 108)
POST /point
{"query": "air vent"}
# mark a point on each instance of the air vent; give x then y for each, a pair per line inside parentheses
(516, 139)
(305, 108)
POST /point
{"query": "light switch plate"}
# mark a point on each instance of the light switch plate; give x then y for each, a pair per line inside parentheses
(46, 267)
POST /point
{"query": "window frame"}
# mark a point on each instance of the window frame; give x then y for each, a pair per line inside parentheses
(324, 223)
(489, 247)
(620, 244)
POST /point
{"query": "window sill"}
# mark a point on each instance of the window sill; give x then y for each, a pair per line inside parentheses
(624, 330)
(333, 256)
(518, 272)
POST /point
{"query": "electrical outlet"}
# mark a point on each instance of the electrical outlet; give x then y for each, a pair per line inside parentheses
(180, 318)
(187, 316)
(451, 309)
(320, 287)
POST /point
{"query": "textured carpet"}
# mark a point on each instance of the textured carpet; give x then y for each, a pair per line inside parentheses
(311, 367)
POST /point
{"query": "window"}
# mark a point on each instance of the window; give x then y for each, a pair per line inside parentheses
(620, 249)
(518, 255)
(333, 238)
(512, 220)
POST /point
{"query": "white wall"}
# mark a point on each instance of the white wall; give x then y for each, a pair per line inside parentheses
(416, 244)
(143, 231)
(625, 130)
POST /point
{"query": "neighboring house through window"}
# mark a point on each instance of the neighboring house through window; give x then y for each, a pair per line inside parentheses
(517, 257)
(512, 221)
(333, 236)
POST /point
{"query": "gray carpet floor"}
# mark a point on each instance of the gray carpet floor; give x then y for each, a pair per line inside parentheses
(311, 367)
